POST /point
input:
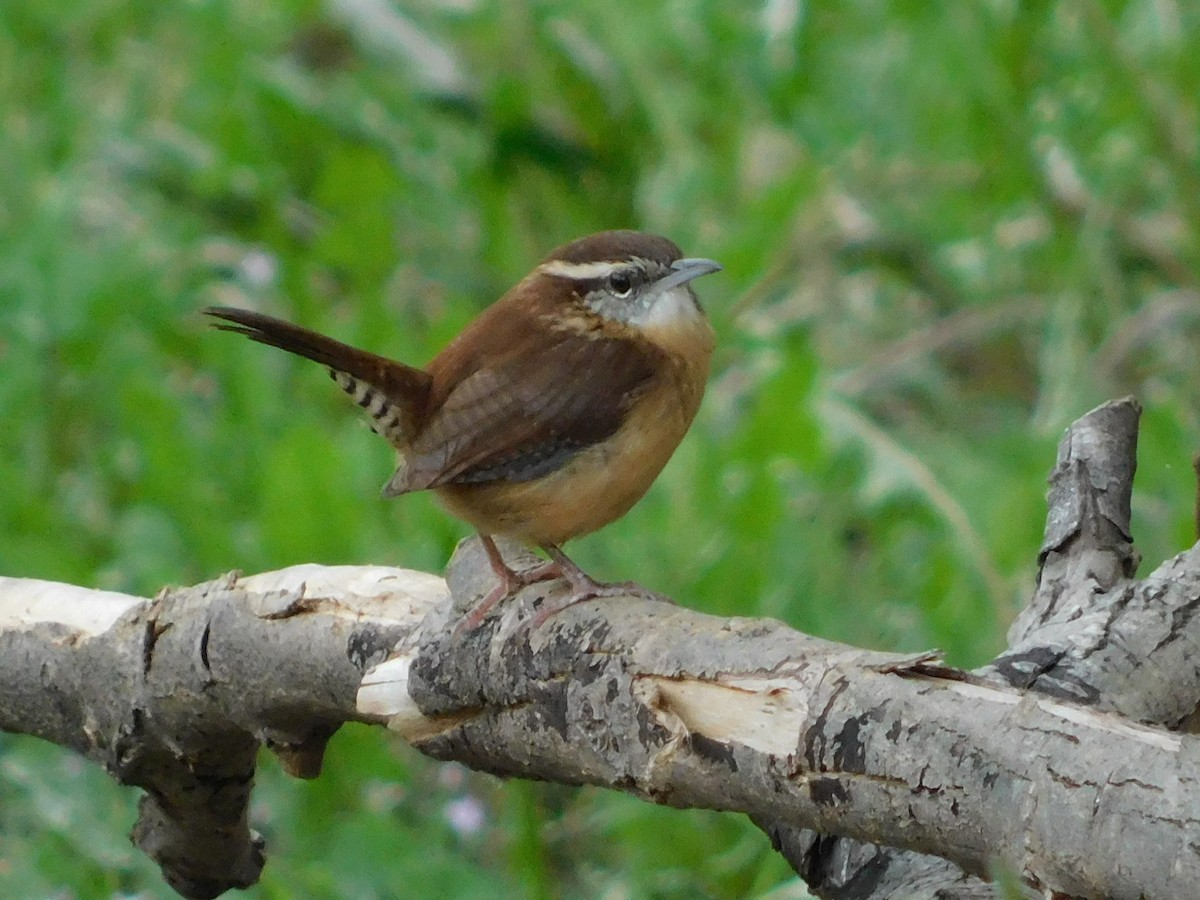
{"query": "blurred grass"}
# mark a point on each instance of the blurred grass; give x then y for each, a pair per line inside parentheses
(947, 231)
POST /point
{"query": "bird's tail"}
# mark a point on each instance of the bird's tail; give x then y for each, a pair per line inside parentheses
(393, 394)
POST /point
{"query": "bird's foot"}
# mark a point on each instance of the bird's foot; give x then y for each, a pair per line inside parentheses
(585, 588)
(509, 582)
(581, 587)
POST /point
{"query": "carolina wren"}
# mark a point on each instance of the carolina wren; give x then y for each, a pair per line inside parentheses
(552, 412)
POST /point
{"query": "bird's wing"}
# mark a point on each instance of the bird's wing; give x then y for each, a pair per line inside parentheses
(526, 411)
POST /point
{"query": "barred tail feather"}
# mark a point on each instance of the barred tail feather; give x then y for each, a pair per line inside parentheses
(387, 418)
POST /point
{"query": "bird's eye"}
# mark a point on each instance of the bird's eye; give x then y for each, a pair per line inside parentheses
(620, 284)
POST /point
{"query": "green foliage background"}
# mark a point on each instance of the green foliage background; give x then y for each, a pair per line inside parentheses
(948, 229)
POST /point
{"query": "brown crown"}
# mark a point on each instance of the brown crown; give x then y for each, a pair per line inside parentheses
(617, 246)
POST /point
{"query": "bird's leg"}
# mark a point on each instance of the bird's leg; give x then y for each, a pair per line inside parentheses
(584, 586)
(508, 583)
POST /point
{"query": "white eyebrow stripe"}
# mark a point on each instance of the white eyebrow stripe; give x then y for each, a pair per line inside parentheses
(582, 271)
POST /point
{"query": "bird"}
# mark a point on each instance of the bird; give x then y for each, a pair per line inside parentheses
(551, 413)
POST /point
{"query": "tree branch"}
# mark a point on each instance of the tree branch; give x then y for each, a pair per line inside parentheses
(175, 694)
(1090, 634)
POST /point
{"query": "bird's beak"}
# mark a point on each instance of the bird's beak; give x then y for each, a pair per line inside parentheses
(684, 270)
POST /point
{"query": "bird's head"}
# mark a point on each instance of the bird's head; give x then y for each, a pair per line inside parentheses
(637, 279)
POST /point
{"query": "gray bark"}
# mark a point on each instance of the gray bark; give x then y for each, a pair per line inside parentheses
(1091, 635)
(175, 695)
(1047, 763)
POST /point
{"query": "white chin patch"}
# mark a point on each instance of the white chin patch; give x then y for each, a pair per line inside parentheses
(674, 307)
